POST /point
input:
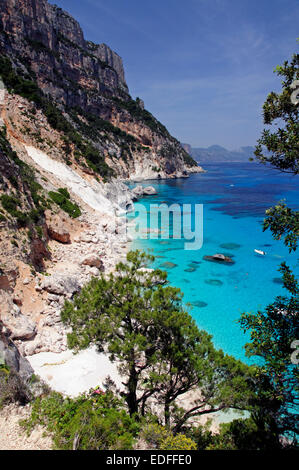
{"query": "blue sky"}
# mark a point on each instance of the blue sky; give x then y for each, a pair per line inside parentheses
(203, 67)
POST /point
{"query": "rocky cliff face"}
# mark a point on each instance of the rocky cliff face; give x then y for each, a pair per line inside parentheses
(69, 133)
(86, 82)
(53, 43)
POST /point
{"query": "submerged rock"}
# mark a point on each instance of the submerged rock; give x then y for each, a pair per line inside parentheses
(213, 282)
(199, 303)
(168, 265)
(230, 246)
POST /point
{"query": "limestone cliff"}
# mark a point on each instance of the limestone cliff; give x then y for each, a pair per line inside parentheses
(81, 89)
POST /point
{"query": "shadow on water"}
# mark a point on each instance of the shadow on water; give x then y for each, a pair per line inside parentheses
(213, 282)
(199, 303)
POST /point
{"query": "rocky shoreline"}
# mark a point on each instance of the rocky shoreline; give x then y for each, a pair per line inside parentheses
(37, 301)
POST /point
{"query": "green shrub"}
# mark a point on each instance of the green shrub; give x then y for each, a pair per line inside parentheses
(62, 200)
(18, 82)
(64, 192)
(201, 434)
(189, 160)
(86, 422)
(26, 178)
(40, 232)
(159, 437)
(245, 434)
(178, 442)
(11, 205)
(154, 434)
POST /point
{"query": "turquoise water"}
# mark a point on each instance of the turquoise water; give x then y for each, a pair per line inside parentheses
(234, 197)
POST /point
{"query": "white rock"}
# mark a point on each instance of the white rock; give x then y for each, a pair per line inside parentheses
(94, 271)
(138, 191)
(22, 327)
(149, 190)
(61, 284)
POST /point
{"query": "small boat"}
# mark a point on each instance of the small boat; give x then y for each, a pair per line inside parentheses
(219, 258)
(260, 252)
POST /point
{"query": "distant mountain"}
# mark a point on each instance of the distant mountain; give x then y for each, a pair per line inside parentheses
(216, 153)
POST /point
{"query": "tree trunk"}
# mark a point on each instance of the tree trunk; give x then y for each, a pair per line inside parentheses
(167, 412)
(131, 397)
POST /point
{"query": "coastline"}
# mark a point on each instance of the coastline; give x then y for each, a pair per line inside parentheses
(94, 247)
(72, 374)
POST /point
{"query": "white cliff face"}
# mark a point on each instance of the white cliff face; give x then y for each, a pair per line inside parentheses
(149, 166)
(106, 198)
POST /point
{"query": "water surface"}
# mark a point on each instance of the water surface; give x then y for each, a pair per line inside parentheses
(235, 197)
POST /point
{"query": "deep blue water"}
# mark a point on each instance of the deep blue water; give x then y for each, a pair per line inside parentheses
(234, 197)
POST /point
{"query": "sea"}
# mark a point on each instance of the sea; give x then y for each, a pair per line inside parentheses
(234, 198)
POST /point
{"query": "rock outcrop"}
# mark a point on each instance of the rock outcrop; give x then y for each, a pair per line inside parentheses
(149, 191)
(39, 27)
(61, 284)
(10, 355)
(140, 191)
(93, 261)
(86, 82)
(56, 229)
(20, 326)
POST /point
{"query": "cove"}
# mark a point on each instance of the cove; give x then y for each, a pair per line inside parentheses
(232, 221)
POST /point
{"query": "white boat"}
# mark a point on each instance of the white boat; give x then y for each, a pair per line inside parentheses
(260, 252)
